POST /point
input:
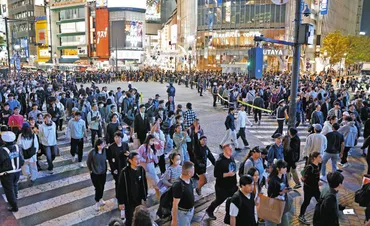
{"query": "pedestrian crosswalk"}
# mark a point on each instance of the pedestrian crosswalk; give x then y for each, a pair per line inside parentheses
(268, 125)
(66, 197)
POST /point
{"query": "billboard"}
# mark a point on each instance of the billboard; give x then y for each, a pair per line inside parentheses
(324, 6)
(133, 34)
(57, 3)
(136, 4)
(102, 37)
(101, 3)
(42, 38)
(153, 10)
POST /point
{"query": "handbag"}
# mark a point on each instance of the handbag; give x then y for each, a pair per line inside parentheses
(271, 209)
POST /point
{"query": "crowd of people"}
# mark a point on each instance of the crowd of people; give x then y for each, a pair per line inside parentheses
(130, 138)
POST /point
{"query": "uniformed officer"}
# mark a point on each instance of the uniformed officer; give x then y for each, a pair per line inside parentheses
(11, 162)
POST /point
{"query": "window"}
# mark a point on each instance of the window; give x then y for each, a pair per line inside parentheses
(73, 40)
(72, 14)
(73, 27)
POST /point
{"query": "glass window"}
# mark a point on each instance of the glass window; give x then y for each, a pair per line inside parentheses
(72, 14)
(73, 40)
(73, 27)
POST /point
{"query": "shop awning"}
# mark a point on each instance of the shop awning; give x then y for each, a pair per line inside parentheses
(67, 60)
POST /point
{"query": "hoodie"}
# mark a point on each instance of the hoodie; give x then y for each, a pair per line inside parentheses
(327, 128)
(349, 131)
(225, 165)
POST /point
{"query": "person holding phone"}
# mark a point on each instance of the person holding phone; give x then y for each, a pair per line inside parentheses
(225, 173)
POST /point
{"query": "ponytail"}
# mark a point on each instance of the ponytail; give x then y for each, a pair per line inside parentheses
(312, 156)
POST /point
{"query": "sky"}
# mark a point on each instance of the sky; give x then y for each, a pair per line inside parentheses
(365, 21)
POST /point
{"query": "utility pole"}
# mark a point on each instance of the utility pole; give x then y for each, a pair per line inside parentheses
(116, 55)
(296, 64)
(7, 43)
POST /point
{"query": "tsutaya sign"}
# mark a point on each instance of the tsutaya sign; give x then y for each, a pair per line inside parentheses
(236, 34)
(273, 52)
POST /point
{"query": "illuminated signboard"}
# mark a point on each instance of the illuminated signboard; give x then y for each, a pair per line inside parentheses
(133, 34)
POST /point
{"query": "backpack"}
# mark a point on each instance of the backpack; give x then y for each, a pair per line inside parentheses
(228, 202)
(362, 196)
(317, 212)
(31, 151)
(241, 166)
(165, 202)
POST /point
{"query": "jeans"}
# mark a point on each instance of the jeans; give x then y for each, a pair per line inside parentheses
(95, 132)
(309, 192)
(284, 221)
(241, 133)
(184, 217)
(230, 134)
(10, 186)
(30, 168)
(98, 181)
(325, 158)
(77, 146)
(50, 152)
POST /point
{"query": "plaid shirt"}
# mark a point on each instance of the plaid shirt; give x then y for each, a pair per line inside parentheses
(189, 117)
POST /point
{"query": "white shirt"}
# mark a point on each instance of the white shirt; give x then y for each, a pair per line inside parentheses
(242, 120)
(27, 143)
(315, 142)
(234, 210)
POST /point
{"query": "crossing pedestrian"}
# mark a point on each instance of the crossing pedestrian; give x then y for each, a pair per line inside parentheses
(225, 173)
(241, 125)
(230, 130)
(77, 133)
(94, 123)
(97, 164)
(281, 115)
(11, 161)
(48, 140)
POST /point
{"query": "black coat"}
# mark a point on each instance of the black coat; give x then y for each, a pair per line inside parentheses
(141, 126)
(125, 193)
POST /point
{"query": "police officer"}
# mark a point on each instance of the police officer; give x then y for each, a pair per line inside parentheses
(11, 162)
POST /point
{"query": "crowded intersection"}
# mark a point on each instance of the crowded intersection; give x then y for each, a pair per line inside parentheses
(165, 147)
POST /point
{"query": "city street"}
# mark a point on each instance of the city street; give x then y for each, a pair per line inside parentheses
(67, 196)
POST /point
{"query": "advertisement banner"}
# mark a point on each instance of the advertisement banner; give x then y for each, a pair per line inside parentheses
(43, 54)
(133, 35)
(324, 7)
(102, 37)
(153, 10)
(101, 3)
(57, 3)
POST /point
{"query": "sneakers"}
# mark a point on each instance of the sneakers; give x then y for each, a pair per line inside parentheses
(323, 178)
(198, 191)
(211, 216)
(303, 220)
(51, 172)
(81, 165)
(101, 202)
(74, 158)
(97, 206)
(297, 186)
(345, 165)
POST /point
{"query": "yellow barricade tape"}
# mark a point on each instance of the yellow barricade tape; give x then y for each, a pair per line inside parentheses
(244, 103)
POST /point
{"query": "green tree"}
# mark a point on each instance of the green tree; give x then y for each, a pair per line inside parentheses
(358, 49)
(336, 45)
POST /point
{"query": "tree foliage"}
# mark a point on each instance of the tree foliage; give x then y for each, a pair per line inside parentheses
(354, 49)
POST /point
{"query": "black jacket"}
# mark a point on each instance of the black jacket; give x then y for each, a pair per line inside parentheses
(293, 155)
(116, 156)
(329, 210)
(201, 155)
(141, 126)
(5, 161)
(230, 122)
(125, 193)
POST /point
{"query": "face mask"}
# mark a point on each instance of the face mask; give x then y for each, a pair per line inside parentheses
(181, 121)
(151, 143)
(178, 162)
(101, 105)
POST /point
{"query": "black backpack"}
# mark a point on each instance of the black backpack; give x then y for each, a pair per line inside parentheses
(228, 202)
(31, 151)
(165, 202)
(241, 166)
(317, 213)
(362, 196)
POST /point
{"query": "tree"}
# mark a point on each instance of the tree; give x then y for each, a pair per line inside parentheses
(336, 45)
(359, 48)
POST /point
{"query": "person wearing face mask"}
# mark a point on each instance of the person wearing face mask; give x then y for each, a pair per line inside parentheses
(148, 157)
(47, 132)
(276, 150)
(103, 114)
(281, 114)
(76, 130)
(172, 174)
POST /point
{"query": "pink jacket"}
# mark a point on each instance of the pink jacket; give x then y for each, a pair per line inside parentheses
(147, 156)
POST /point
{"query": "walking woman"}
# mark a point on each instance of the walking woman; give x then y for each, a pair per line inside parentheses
(148, 156)
(202, 153)
(158, 134)
(180, 138)
(172, 173)
(28, 143)
(254, 173)
(311, 179)
(278, 187)
(97, 165)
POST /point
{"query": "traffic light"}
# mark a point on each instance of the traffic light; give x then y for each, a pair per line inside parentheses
(255, 62)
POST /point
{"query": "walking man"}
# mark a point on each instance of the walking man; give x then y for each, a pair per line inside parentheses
(230, 130)
(241, 124)
(77, 131)
(93, 120)
(281, 114)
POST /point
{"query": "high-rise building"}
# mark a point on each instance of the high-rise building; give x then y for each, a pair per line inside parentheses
(23, 33)
(365, 24)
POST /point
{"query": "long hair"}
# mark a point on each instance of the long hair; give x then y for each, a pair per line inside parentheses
(312, 156)
(251, 173)
(172, 156)
(275, 168)
(286, 142)
(98, 142)
(146, 143)
(27, 133)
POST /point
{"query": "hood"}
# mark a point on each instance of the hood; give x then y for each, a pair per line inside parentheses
(327, 123)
